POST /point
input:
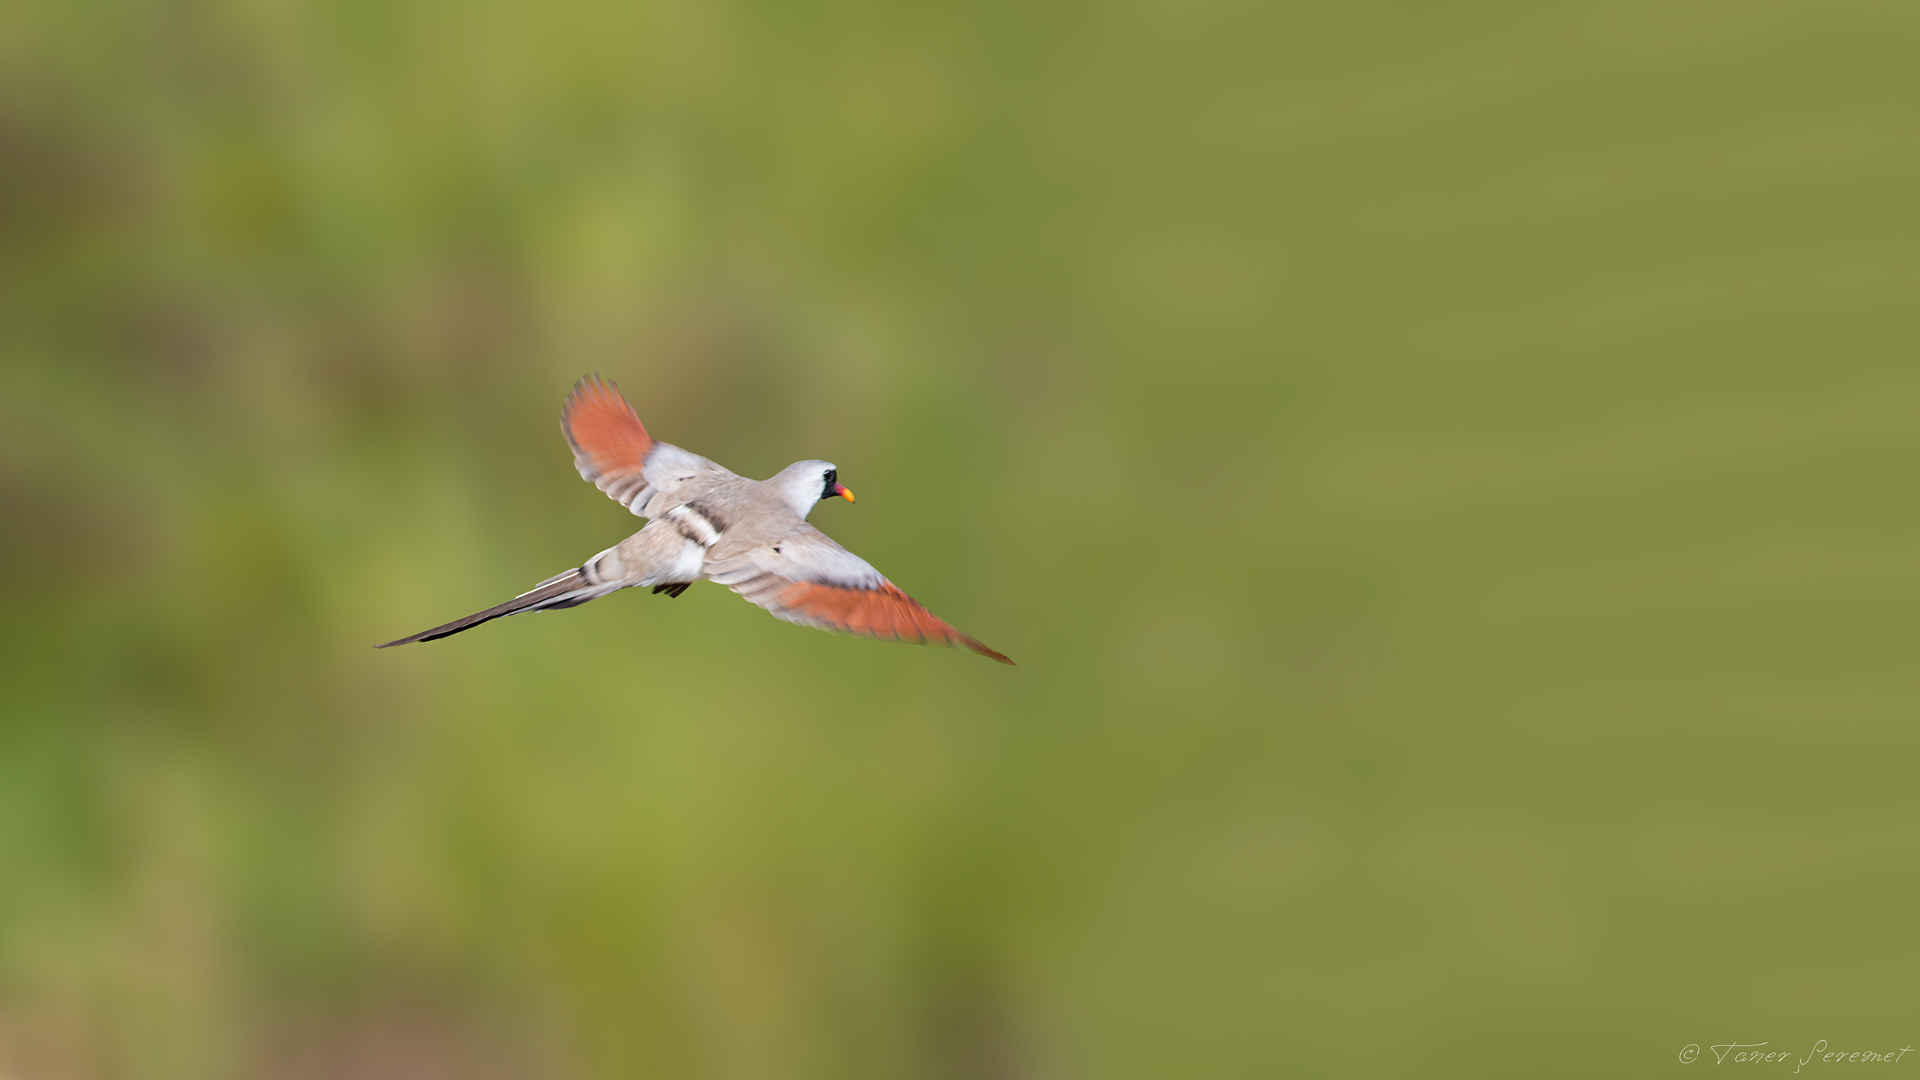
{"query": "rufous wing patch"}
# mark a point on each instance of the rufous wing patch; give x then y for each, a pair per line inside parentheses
(608, 440)
(883, 612)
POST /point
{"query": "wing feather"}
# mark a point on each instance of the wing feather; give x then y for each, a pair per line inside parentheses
(610, 445)
(808, 579)
(613, 451)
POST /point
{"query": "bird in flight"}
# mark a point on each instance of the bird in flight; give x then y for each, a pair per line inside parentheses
(707, 524)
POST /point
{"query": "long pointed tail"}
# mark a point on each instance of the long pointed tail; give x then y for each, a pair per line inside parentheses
(566, 590)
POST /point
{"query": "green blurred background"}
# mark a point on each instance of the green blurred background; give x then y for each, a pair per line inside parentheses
(1446, 472)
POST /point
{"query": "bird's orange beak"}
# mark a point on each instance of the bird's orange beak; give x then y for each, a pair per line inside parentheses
(843, 491)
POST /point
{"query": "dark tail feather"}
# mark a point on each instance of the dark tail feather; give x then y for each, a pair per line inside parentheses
(542, 596)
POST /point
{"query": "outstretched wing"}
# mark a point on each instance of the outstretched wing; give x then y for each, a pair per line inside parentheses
(613, 451)
(808, 579)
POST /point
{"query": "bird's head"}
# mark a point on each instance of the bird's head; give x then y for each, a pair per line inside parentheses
(805, 483)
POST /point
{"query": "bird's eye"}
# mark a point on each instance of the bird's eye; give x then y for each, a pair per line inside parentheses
(827, 476)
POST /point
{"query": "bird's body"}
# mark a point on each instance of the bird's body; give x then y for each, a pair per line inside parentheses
(709, 524)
